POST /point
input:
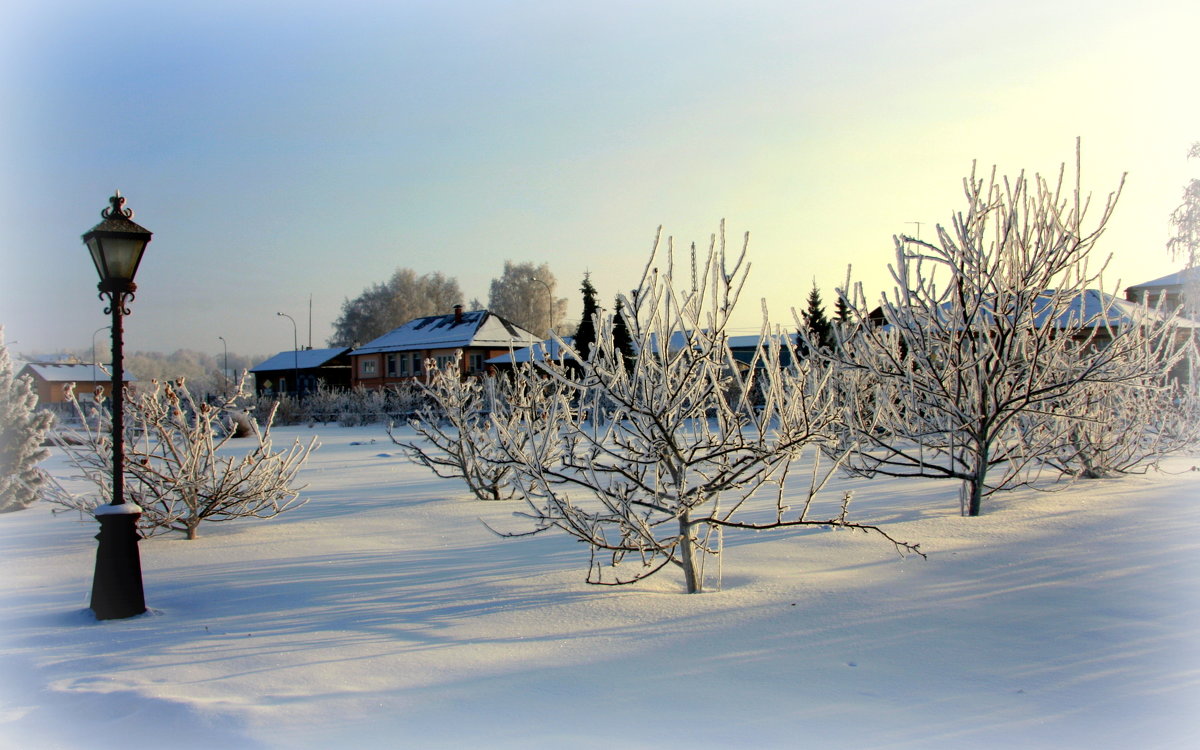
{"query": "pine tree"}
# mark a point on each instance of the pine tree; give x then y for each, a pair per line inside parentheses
(819, 328)
(622, 341)
(841, 310)
(23, 429)
(585, 335)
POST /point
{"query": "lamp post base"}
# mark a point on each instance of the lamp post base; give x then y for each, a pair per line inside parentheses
(117, 584)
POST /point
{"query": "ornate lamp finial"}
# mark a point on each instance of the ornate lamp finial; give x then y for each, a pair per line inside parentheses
(117, 207)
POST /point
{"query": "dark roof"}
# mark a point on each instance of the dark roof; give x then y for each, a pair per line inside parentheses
(305, 359)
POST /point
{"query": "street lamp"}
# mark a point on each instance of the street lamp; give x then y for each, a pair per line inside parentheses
(116, 245)
(94, 363)
(549, 300)
(295, 355)
(225, 369)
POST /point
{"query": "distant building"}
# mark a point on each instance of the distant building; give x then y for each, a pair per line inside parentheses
(51, 380)
(400, 354)
(291, 372)
(1169, 291)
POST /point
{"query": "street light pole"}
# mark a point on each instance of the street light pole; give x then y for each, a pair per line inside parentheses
(225, 368)
(94, 363)
(295, 354)
(116, 245)
(549, 300)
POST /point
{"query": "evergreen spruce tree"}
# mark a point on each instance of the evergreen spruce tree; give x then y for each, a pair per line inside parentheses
(819, 327)
(23, 429)
(841, 311)
(585, 335)
(622, 341)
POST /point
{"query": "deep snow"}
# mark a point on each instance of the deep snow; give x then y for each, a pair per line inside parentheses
(384, 615)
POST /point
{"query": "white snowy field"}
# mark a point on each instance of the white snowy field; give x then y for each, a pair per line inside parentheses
(384, 615)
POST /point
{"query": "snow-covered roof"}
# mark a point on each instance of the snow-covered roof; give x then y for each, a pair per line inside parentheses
(542, 350)
(1091, 309)
(1177, 279)
(74, 373)
(304, 359)
(752, 341)
(550, 348)
(1095, 309)
(477, 328)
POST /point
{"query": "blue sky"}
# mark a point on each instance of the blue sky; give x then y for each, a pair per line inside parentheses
(279, 150)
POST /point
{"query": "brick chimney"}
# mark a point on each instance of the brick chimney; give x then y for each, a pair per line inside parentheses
(457, 314)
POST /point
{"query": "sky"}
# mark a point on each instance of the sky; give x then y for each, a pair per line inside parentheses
(288, 151)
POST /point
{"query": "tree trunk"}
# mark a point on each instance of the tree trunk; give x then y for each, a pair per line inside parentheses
(687, 552)
(974, 485)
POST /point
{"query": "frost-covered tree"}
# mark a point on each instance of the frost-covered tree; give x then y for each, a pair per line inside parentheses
(457, 442)
(382, 307)
(649, 465)
(23, 429)
(585, 334)
(991, 336)
(180, 466)
(464, 418)
(524, 294)
(1128, 428)
(1185, 242)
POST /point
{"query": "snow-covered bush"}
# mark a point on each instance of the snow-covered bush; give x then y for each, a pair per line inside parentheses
(979, 364)
(458, 442)
(348, 407)
(1128, 430)
(462, 420)
(648, 463)
(23, 430)
(176, 468)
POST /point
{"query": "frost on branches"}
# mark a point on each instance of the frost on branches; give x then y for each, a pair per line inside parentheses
(180, 464)
(647, 462)
(23, 431)
(454, 425)
(995, 352)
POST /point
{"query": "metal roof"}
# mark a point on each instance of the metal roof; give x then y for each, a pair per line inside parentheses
(304, 359)
(74, 373)
(477, 328)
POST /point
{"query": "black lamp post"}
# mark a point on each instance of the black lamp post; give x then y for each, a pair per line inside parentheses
(117, 245)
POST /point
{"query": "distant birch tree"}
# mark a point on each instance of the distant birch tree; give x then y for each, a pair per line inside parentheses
(382, 307)
(1185, 242)
(648, 461)
(990, 339)
(525, 294)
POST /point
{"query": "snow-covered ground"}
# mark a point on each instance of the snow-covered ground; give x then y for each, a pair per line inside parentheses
(384, 615)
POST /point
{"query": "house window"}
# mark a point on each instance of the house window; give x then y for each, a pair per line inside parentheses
(443, 360)
(391, 365)
(405, 365)
(475, 362)
(368, 368)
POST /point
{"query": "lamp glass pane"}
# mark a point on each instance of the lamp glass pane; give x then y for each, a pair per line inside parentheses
(93, 244)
